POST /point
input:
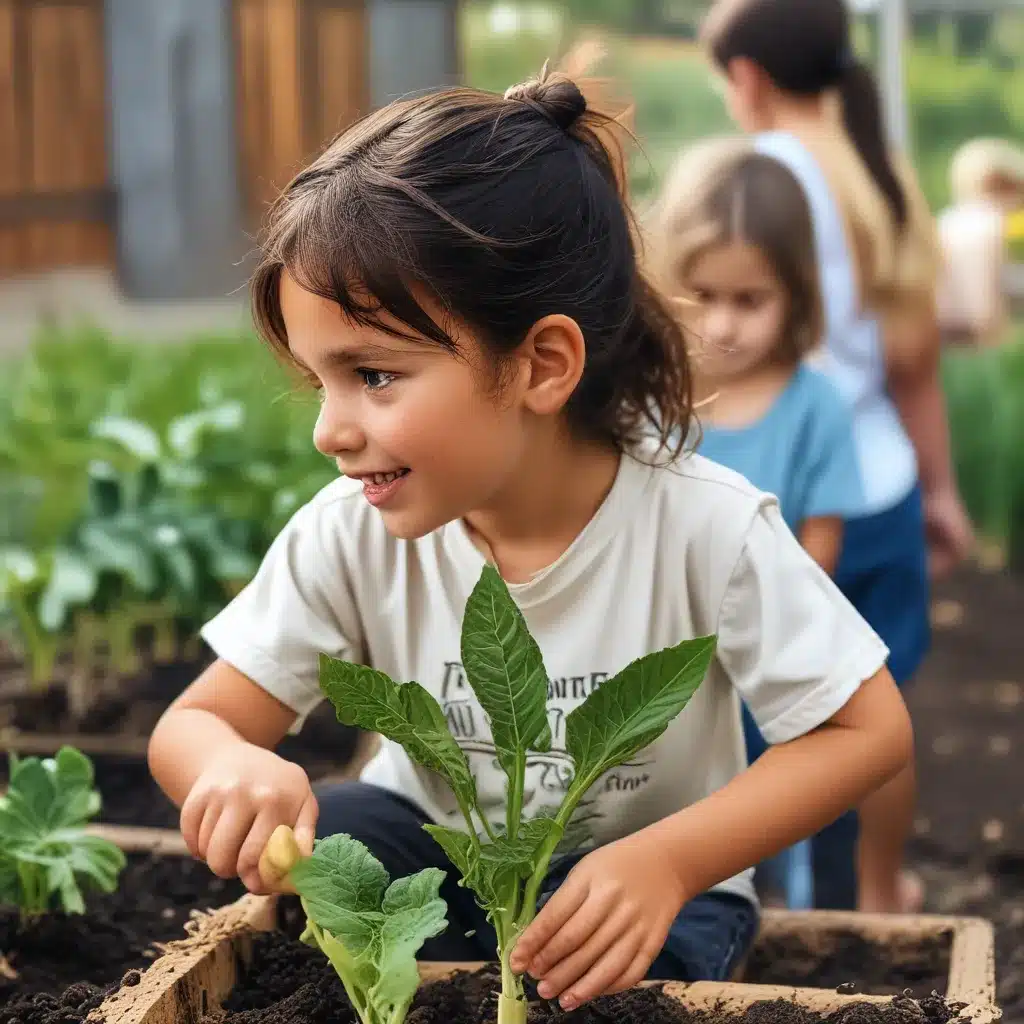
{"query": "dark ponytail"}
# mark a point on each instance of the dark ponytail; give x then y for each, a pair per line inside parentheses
(862, 115)
(804, 47)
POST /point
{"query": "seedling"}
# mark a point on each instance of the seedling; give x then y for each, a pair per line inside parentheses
(505, 863)
(369, 927)
(45, 853)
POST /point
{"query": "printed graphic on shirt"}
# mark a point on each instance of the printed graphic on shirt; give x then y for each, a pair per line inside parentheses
(548, 775)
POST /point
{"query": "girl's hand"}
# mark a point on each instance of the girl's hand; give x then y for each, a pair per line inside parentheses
(601, 931)
(238, 801)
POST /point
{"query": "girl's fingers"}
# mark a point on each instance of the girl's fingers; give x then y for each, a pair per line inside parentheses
(573, 934)
(305, 824)
(192, 811)
(559, 909)
(608, 969)
(249, 856)
(214, 809)
(233, 825)
(634, 974)
(564, 973)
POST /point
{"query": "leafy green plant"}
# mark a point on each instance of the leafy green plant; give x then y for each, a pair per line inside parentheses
(505, 863)
(369, 927)
(46, 856)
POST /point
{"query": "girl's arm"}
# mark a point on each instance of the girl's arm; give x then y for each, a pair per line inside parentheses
(222, 709)
(603, 928)
(822, 539)
(834, 767)
(916, 391)
(210, 752)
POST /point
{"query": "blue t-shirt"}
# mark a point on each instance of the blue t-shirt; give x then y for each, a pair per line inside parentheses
(801, 450)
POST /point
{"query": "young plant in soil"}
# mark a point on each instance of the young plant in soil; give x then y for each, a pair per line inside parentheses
(505, 863)
(46, 856)
(369, 927)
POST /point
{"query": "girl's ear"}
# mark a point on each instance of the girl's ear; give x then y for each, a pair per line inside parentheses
(552, 355)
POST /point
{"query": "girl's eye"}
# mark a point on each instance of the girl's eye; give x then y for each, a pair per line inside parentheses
(748, 300)
(376, 380)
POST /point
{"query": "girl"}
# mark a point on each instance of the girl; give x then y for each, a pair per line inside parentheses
(458, 276)
(732, 230)
(792, 78)
(987, 178)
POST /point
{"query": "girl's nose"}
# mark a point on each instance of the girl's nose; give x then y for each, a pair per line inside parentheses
(335, 433)
(719, 325)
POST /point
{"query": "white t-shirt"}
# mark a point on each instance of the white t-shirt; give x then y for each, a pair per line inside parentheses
(973, 236)
(672, 553)
(853, 356)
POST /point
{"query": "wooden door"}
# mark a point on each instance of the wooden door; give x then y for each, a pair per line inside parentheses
(302, 77)
(56, 203)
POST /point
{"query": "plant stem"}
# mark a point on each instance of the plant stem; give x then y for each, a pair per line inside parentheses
(512, 999)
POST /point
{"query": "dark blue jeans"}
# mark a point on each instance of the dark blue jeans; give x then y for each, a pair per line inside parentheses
(706, 942)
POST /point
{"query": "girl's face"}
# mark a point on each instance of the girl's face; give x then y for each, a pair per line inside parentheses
(742, 310)
(421, 427)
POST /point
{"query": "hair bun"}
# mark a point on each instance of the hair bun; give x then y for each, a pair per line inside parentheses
(555, 95)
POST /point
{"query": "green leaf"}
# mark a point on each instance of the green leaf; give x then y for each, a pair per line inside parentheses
(185, 434)
(458, 847)
(342, 886)
(72, 583)
(403, 712)
(414, 914)
(134, 436)
(370, 931)
(44, 850)
(506, 671)
(634, 708)
(121, 551)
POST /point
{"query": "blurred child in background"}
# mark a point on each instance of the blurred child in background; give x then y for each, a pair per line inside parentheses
(734, 235)
(793, 80)
(987, 179)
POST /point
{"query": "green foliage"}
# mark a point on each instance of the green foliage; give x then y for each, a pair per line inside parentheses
(505, 864)
(369, 927)
(955, 91)
(985, 399)
(141, 484)
(45, 854)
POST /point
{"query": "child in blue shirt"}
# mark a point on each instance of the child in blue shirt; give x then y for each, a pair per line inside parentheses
(734, 242)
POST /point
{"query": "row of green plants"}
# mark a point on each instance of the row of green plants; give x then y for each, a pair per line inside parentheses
(141, 484)
(985, 398)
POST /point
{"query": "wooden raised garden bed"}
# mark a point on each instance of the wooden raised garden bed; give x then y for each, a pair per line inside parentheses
(192, 982)
(61, 965)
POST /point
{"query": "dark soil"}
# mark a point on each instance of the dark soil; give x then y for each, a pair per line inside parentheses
(97, 950)
(968, 710)
(852, 963)
(289, 983)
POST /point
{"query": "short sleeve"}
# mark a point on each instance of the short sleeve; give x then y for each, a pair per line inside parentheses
(295, 608)
(794, 648)
(833, 481)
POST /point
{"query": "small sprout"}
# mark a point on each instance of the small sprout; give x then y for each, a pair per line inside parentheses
(369, 927)
(46, 856)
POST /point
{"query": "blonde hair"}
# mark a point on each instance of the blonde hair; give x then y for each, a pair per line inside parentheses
(978, 163)
(720, 191)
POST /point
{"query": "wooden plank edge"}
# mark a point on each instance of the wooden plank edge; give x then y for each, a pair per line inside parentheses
(202, 969)
(164, 842)
(43, 744)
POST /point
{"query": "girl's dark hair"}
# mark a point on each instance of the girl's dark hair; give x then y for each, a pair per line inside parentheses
(805, 47)
(501, 210)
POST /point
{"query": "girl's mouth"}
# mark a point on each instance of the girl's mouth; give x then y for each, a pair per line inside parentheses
(378, 488)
